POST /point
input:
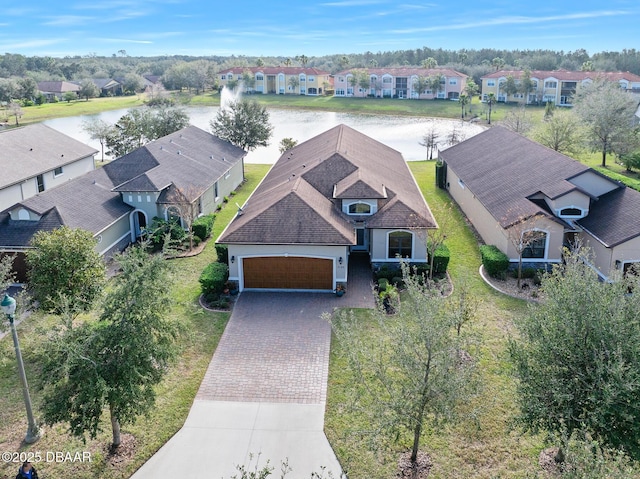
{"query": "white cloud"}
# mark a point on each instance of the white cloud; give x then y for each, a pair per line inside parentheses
(68, 20)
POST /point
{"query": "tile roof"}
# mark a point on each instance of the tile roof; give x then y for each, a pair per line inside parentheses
(615, 217)
(407, 71)
(503, 169)
(295, 202)
(566, 75)
(275, 70)
(29, 151)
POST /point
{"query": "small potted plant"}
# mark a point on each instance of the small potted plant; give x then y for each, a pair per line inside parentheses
(340, 289)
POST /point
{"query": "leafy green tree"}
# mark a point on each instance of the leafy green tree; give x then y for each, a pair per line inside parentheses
(421, 85)
(88, 89)
(631, 160)
(245, 123)
(526, 85)
(116, 362)
(287, 144)
(563, 131)
(408, 369)
(472, 88)
(498, 63)
(69, 96)
(609, 114)
(435, 84)
(133, 83)
(6, 274)
(509, 86)
(248, 80)
(27, 88)
(141, 125)
(98, 130)
(294, 82)
(64, 262)
(576, 359)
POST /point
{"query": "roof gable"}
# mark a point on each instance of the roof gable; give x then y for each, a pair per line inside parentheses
(614, 218)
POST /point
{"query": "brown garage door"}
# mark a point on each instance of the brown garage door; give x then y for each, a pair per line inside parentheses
(292, 272)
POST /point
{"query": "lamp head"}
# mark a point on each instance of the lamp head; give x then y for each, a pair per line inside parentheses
(8, 305)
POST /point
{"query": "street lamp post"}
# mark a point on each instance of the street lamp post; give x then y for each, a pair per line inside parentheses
(8, 306)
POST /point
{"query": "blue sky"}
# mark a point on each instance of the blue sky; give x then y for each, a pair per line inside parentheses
(289, 28)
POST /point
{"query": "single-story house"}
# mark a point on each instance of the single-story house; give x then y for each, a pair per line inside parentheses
(116, 202)
(338, 193)
(502, 181)
(36, 158)
(108, 86)
(57, 89)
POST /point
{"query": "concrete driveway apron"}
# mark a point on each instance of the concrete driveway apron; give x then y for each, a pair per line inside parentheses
(264, 391)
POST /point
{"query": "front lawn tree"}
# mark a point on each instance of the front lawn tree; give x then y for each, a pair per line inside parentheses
(116, 362)
(98, 130)
(523, 235)
(408, 368)
(609, 114)
(88, 89)
(576, 357)
(561, 131)
(64, 263)
(244, 123)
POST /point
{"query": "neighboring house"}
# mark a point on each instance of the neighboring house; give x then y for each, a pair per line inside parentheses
(338, 193)
(307, 81)
(557, 86)
(57, 89)
(502, 181)
(399, 83)
(108, 86)
(36, 158)
(117, 201)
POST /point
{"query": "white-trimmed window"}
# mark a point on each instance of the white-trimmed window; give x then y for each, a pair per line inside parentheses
(259, 77)
(58, 171)
(551, 84)
(453, 81)
(537, 247)
(491, 83)
(359, 208)
(572, 212)
(400, 243)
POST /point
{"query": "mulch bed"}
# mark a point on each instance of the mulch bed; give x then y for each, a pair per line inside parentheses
(123, 453)
(418, 470)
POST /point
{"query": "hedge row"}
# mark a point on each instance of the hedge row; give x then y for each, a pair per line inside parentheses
(495, 262)
(441, 258)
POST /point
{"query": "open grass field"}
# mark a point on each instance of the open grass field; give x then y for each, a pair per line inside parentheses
(200, 333)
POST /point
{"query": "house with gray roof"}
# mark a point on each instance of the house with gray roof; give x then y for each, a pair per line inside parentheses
(117, 201)
(36, 158)
(57, 89)
(502, 180)
(336, 194)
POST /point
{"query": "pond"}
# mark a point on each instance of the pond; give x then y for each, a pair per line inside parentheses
(403, 133)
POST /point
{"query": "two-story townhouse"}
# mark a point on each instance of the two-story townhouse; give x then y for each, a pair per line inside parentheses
(557, 86)
(278, 80)
(36, 158)
(416, 83)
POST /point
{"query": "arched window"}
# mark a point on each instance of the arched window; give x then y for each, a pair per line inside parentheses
(400, 243)
(571, 212)
(359, 209)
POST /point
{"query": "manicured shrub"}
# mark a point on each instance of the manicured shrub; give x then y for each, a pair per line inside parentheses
(441, 259)
(203, 226)
(382, 284)
(223, 253)
(495, 262)
(213, 278)
(160, 228)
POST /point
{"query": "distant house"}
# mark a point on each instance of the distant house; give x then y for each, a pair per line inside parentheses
(36, 158)
(337, 194)
(306, 81)
(556, 86)
(57, 89)
(502, 180)
(400, 83)
(116, 202)
(108, 86)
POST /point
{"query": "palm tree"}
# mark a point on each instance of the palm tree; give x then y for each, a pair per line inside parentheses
(498, 63)
(429, 63)
(287, 62)
(373, 63)
(260, 62)
(464, 101)
(303, 59)
(491, 100)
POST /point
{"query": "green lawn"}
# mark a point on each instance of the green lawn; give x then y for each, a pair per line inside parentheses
(485, 447)
(201, 331)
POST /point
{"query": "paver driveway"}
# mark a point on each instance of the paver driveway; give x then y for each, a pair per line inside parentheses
(265, 389)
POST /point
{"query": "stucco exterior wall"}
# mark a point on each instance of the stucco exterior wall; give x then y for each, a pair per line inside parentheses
(115, 237)
(555, 238)
(380, 245)
(593, 183)
(604, 259)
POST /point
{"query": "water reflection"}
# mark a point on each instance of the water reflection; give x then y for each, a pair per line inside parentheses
(399, 132)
